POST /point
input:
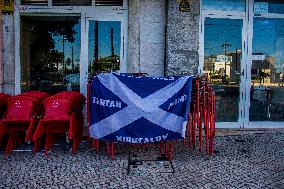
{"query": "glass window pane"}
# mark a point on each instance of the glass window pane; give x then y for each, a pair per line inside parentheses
(109, 2)
(265, 6)
(104, 46)
(50, 53)
(224, 5)
(34, 2)
(267, 91)
(72, 2)
(223, 44)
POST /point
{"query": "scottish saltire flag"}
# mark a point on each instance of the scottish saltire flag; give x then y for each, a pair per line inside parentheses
(135, 109)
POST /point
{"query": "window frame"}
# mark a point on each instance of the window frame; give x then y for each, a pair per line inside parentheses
(85, 12)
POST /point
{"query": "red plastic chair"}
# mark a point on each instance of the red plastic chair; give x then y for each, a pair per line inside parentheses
(59, 117)
(77, 98)
(3, 103)
(3, 108)
(39, 95)
(20, 115)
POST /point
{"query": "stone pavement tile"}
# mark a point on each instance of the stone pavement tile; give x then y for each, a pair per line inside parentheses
(258, 162)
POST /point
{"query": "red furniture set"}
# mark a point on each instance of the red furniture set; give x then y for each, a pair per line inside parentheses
(38, 117)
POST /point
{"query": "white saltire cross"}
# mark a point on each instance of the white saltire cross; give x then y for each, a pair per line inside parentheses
(138, 107)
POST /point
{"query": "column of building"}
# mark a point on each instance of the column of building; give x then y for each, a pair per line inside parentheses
(162, 39)
(146, 36)
(182, 38)
(8, 53)
(1, 50)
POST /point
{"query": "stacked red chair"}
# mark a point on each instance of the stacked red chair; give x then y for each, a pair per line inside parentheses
(62, 113)
(3, 108)
(202, 114)
(39, 95)
(3, 103)
(21, 116)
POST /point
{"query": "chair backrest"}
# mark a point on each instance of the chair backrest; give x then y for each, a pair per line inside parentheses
(4, 97)
(21, 108)
(76, 98)
(36, 94)
(3, 103)
(57, 109)
(72, 94)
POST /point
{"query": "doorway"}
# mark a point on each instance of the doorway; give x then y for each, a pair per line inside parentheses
(223, 62)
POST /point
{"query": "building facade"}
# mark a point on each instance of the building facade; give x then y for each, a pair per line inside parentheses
(55, 45)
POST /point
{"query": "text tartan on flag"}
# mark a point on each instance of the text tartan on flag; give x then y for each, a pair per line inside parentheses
(134, 109)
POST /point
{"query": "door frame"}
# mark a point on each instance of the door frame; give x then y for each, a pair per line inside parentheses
(245, 87)
(228, 15)
(85, 12)
(250, 17)
(85, 45)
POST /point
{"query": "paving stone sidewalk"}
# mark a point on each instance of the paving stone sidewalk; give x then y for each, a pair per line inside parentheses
(243, 159)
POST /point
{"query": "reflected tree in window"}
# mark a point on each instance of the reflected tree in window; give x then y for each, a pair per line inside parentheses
(46, 53)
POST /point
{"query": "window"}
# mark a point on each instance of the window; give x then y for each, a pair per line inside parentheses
(271, 6)
(104, 46)
(267, 92)
(50, 53)
(224, 5)
(109, 2)
(72, 2)
(34, 2)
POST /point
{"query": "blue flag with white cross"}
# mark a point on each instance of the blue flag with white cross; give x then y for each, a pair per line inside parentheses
(139, 109)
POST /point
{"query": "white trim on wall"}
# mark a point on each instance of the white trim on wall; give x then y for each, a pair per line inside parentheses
(17, 25)
(252, 125)
(201, 41)
(229, 125)
(265, 124)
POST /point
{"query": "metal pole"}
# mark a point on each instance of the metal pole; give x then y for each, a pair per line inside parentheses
(225, 61)
(96, 50)
(112, 49)
(63, 54)
(225, 45)
(72, 58)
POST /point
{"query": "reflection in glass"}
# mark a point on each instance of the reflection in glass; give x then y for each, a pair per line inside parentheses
(50, 51)
(104, 46)
(222, 41)
(269, 6)
(224, 5)
(109, 2)
(72, 2)
(267, 79)
(34, 2)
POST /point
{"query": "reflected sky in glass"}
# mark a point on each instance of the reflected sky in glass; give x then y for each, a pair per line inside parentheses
(219, 31)
(268, 38)
(104, 38)
(68, 46)
(224, 5)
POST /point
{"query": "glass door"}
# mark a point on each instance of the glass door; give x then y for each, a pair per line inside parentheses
(103, 49)
(223, 58)
(267, 72)
(104, 45)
